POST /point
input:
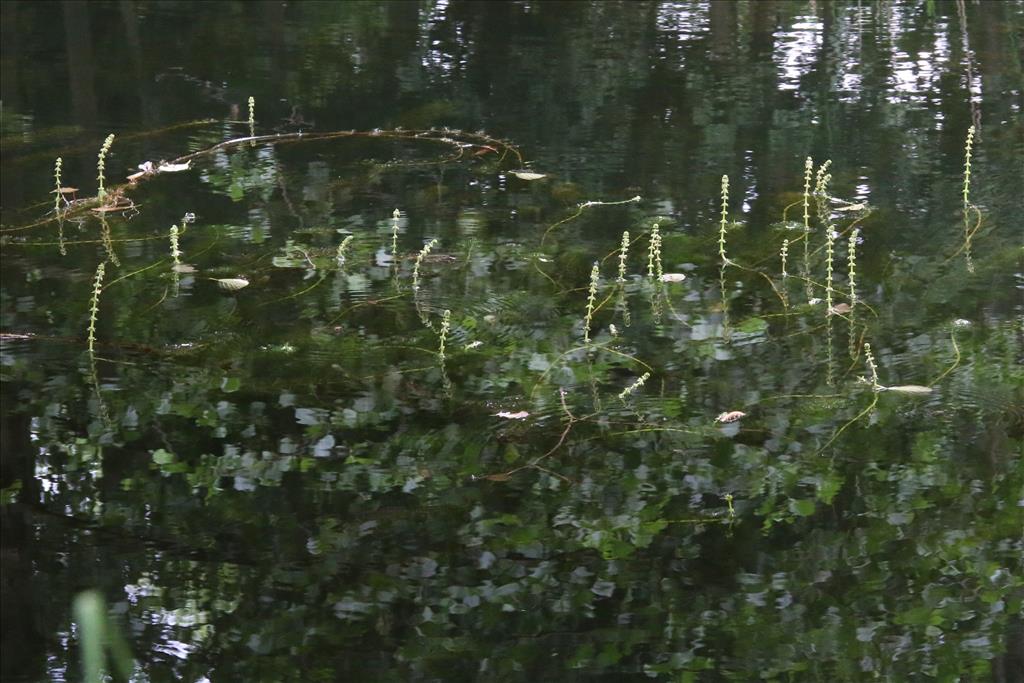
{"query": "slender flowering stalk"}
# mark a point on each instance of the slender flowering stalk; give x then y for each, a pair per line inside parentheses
(595, 273)
(94, 305)
(808, 170)
(101, 163)
(394, 236)
(783, 253)
(252, 118)
(175, 251)
(56, 189)
(725, 216)
(419, 260)
(830, 238)
(821, 184)
(870, 360)
(851, 261)
(635, 386)
(654, 253)
(623, 253)
(342, 248)
(968, 145)
(446, 322)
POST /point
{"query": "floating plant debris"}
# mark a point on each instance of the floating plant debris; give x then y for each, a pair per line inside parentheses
(231, 284)
(528, 175)
(520, 415)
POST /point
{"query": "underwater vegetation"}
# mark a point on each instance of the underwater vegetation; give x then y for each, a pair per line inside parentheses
(715, 399)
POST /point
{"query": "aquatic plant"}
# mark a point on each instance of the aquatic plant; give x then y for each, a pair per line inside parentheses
(783, 253)
(851, 260)
(96, 634)
(424, 252)
(175, 251)
(632, 388)
(830, 239)
(108, 241)
(623, 253)
(342, 249)
(446, 321)
(968, 145)
(595, 274)
(101, 163)
(822, 178)
(725, 216)
(869, 358)
(808, 170)
(252, 118)
(57, 185)
(654, 253)
(94, 305)
(394, 236)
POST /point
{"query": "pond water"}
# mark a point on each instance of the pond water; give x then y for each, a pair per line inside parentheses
(396, 399)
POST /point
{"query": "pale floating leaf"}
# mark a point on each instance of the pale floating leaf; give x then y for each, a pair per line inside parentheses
(852, 207)
(135, 176)
(174, 168)
(521, 415)
(910, 389)
(183, 268)
(529, 175)
(231, 284)
(65, 190)
(840, 309)
(473, 345)
(147, 167)
(673, 277)
(730, 416)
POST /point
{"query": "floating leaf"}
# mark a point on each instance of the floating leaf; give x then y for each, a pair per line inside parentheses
(852, 207)
(497, 477)
(65, 190)
(528, 175)
(183, 268)
(521, 415)
(231, 284)
(730, 416)
(673, 277)
(909, 389)
(174, 168)
(840, 309)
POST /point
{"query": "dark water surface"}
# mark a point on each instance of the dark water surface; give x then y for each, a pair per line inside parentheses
(275, 464)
